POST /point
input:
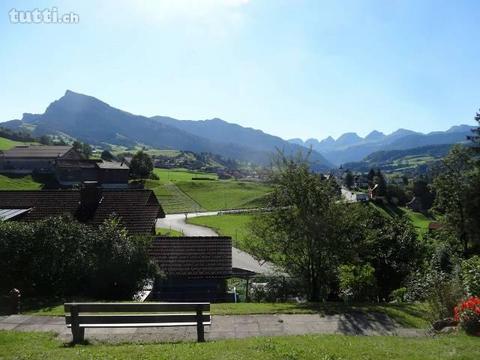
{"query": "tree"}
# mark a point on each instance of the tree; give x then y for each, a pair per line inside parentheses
(141, 166)
(106, 155)
(422, 192)
(83, 149)
(371, 176)
(475, 138)
(389, 245)
(349, 179)
(45, 140)
(382, 184)
(457, 193)
(304, 234)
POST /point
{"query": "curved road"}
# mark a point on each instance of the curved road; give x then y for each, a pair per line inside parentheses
(240, 259)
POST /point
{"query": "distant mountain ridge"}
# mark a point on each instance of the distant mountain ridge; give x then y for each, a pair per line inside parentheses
(350, 147)
(89, 119)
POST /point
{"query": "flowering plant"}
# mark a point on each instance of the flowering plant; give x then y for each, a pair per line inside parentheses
(468, 314)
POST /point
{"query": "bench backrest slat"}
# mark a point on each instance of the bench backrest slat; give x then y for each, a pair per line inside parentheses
(138, 307)
(137, 319)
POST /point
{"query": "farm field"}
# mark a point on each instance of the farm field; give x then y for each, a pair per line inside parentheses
(180, 190)
(225, 195)
(19, 183)
(233, 225)
(174, 200)
(6, 144)
(23, 345)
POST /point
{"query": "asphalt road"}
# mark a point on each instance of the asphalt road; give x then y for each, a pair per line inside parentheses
(240, 259)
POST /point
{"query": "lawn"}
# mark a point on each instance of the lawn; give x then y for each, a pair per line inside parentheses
(21, 345)
(419, 220)
(167, 232)
(6, 144)
(16, 182)
(407, 315)
(233, 225)
(176, 175)
(224, 195)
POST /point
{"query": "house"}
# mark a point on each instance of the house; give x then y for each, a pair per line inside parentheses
(108, 174)
(138, 210)
(361, 181)
(361, 197)
(194, 268)
(26, 159)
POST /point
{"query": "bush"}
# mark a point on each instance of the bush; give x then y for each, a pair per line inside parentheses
(273, 289)
(468, 314)
(444, 293)
(62, 257)
(471, 276)
(399, 295)
(357, 282)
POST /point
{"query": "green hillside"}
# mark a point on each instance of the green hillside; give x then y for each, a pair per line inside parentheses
(224, 195)
(234, 225)
(19, 183)
(6, 144)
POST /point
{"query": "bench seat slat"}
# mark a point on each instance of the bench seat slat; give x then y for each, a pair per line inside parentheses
(141, 325)
(137, 307)
(145, 319)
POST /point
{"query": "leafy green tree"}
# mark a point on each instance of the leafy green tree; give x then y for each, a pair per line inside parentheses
(370, 177)
(106, 155)
(141, 166)
(348, 179)
(475, 138)
(357, 282)
(45, 140)
(457, 195)
(83, 149)
(390, 245)
(304, 234)
(379, 180)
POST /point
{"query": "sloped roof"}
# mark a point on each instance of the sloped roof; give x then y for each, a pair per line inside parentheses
(36, 151)
(6, 214)
(113, 165)
(193, 257)
(137, 209)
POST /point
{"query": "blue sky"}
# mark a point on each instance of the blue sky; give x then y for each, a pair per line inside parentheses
(292, 68)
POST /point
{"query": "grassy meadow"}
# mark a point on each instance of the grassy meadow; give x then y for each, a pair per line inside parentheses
(6, 144)
(225, 194)
(16, 182)
(34, 345)
(181, 190)
(233, 225)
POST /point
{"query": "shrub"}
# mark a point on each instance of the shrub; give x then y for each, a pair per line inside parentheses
(273, 289)
(357, 282)
(471, 276)
(399, 295)
(444, 293)
(468, 314)
(62, 257)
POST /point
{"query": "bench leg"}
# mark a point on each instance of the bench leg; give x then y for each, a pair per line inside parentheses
(200, 329)
(78, 334)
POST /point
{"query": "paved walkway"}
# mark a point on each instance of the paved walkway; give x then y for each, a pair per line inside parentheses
(224, 327)
(240, 259)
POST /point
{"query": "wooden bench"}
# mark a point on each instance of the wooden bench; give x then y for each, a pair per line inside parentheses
(79, 316)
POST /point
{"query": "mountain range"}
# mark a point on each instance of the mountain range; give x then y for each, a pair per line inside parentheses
(91, 120)
(350, 147)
